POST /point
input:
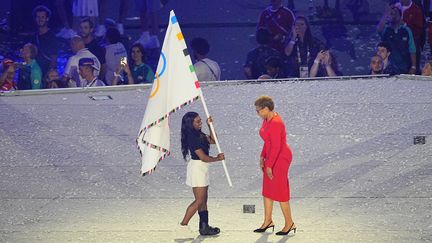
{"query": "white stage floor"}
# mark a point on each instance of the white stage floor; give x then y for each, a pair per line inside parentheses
(69, 167)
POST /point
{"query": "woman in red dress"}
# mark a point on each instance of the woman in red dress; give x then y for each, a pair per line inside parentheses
(275, 161)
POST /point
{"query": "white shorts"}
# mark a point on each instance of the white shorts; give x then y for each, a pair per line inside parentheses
(197, 174)
(81, 8)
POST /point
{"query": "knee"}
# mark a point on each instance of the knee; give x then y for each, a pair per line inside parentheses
(200, 202)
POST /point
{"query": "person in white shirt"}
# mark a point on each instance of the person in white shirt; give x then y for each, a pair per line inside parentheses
(71, 73)
(114, 52)
(87, 66)
(205, 68)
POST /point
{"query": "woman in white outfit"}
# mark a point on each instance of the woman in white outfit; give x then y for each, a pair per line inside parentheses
(193, 140)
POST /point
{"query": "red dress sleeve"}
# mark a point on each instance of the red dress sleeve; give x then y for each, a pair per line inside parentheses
(264, 151)
(261, 20)
(275, 132)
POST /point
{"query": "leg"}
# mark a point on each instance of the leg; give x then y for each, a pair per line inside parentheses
(286, 211)
(268, 211)
(200, 202)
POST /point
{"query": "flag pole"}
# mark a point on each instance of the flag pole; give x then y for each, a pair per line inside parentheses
(212, 130)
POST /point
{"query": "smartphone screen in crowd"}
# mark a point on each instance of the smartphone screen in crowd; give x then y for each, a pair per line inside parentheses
(123, 61)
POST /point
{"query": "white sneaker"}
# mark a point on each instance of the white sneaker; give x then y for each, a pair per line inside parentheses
(184, 229)
(100, 30)
(120, 28)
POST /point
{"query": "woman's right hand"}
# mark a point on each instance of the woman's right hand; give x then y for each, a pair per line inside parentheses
(326, 59)
(126, 68)
(220, 156)
(293, 33)
(261, 162)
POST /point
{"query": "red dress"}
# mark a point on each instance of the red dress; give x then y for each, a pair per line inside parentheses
(277, 155)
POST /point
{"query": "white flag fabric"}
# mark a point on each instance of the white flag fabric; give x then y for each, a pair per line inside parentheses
(175, 86)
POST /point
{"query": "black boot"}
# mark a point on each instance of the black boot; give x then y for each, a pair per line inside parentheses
(204, 228)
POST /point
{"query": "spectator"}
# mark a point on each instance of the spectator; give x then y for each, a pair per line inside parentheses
(400, 39)
(53, 81)
(279, 21)
(45, 39)
(30, 74)
(66, 32)
(384, 51)
(274, 69)
(140, 73)
(71, 73)
(205, 68)
(376, 65)
(7, 77)
(413, 16)
(325, 65)
(149, 17)
(91, 43)
(301, 48)
(104, 10)
(255, 61)
(85, 8)
(87, 68)
(114, 51)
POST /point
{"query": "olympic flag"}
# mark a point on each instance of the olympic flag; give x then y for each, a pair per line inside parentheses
(175, 86)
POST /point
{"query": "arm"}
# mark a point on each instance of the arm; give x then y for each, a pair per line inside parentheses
(330, 71)
(290, 46)
(128, 73)
(66, 79)
(4, 75)
(211, 139)
(264, 151)
(418, 23)
(327, 62)
(275, 143)
(412, 50)
(248, 72)
(261, 19)
(315, 66)
(205, 158)
(248, 65)
(384, 19)
(116, 79)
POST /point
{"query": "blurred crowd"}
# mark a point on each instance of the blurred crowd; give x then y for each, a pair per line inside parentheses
(285, 47)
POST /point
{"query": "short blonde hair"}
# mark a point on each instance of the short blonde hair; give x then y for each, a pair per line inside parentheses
(265, 101)
(33, 50)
